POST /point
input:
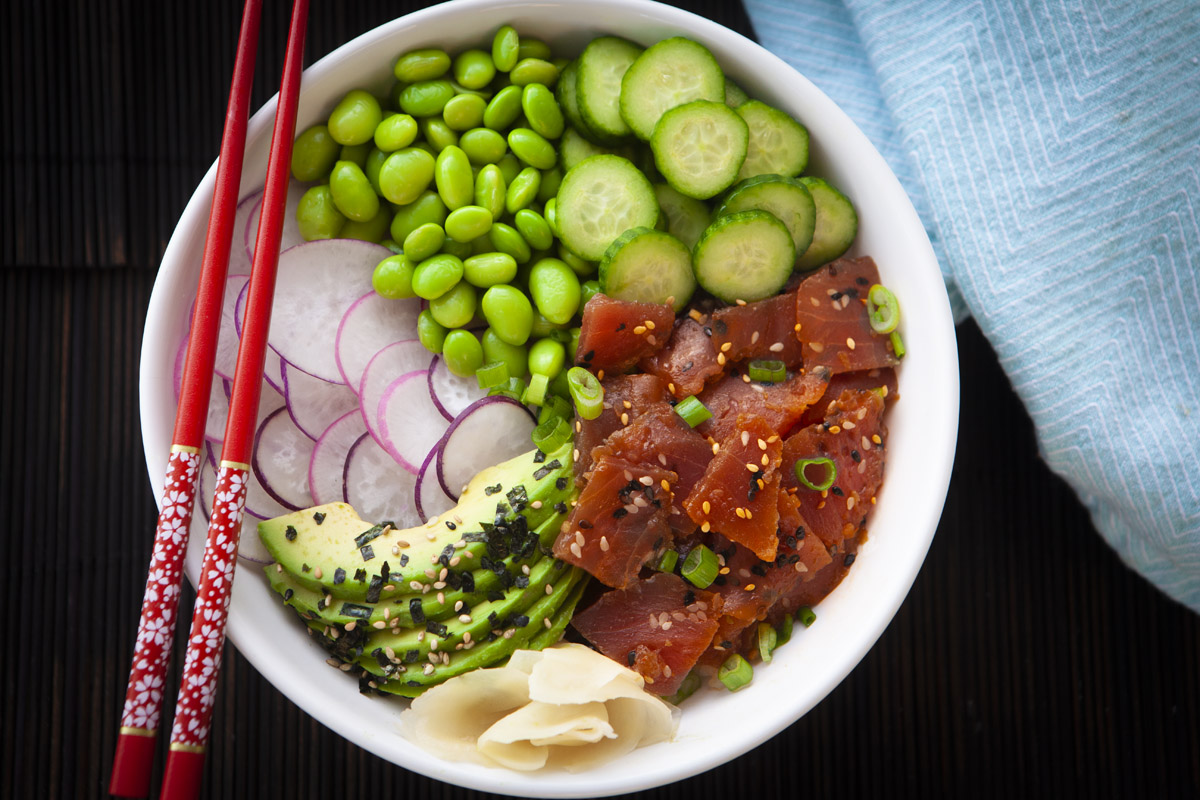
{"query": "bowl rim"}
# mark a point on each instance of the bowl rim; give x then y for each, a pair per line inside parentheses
(937, 360)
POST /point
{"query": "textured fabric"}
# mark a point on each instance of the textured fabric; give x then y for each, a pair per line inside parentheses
(1053, 152)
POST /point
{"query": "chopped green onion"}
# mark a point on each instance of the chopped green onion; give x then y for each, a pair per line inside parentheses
(768, 640)
(555, 407)
(668, 561)
(700, 567)
(692, 411)
(586, 391)
(691, 683)
(735, 673)
(806, 616)
(551, 434)
(785, 630)
(883, 309)
(767, 371)
(561, 387)
(513, 387)
(492, 375)
(898, 345)
(825, 463)
(535, 394)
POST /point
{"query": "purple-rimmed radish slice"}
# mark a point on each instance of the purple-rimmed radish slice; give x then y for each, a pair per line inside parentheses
(282, 453)
(489, 431)
(329, 454)
(240, 258)
(431, 500)
(313, 403)
(258, 502)
(291, 229)
(368, 326)
(227, 344)
(250, 547)
(399, 358)
(409, 423)
(452, 394)
(272, 363)
(377, 487)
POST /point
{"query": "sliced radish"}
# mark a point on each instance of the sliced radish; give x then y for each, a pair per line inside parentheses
(409, 424)
(377, 487)
(489, 431)
(250, 546)
(282, 453)
(313, 403)
(291, 230)
(369, 325)
(272, 362)
(218, 411)
(452, 394)
(239, 255)
(400, 358)
(329, 458)
(231, 328)
(431, 500)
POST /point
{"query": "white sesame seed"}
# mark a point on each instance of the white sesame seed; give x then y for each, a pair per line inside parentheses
(579, 540)
(850, 342)
(576, 550)
(547, 623)
(817, 347)
(745, 438)
(458, 605)
(415, 585)
(776, 348)
(754, 338)
(464, 618)
(604, 543)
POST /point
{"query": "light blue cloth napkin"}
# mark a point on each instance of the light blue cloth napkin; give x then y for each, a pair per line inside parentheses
(1052, 148)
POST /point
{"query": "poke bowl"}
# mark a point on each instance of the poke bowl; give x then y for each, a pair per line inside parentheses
(716, 725)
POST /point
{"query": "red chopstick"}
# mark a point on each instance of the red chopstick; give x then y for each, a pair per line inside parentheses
(206, 640)
(156, 630)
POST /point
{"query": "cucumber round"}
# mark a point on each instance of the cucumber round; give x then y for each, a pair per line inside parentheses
(746, 255)
(686, 217)
(648, 266)
(787, 198)
(699, 147)
(566, 91)
(575, 147)
(602, 65)
(836, 226)
(734, 94)
(778, 144)
(599, 199)
(668, 74)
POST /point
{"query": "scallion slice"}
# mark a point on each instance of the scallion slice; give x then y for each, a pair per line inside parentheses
(806, 616)
(691, 683)
(535, 393)
(586, 391)
(692, 411)
(883, 309)
(492, 375)
(513, 387)
(767, 371)
(768, 640)
(785, 630)
(700, 567)
(735, 673)
(898, 345)
(551, 434)
(554, 406)
(668, 561)
(802, 466)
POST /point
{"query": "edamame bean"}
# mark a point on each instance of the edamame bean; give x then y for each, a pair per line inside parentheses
(508, 312)
(483, 94)
(551, 180)
(533, 228)
(352, 192)
(533, 70)
(393, 277)
(391, 245)
(468, 223)
(435, 276)
(533, 48)
(587, 291)
(489, 269)
(395, 131)
(532, 148)
(578, 265)
(543, 327)
(462, 352)
(430, 332)
(424, 242)
(550, 214)
(371, 169)
(522, 190)
(513, 356)
(474, 69)
(547, 357)
(542, 111)
(506, 50)
(438, 133)
(426, 98)
(317, 215)
(354, 118)
(464, 111)
(506, 239)
(456, 307)
(483, 146)
(373, 230)
(490, 189)
(455, 183)
(313, 154)
(459, 250)
(555, 290)
(404, 175)
(428, 207)
(422, 65)
(355, 153)
(503, 109)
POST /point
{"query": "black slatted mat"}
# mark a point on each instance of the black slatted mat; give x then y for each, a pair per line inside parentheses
(1026, 659)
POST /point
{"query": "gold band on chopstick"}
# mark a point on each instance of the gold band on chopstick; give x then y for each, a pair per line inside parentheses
(187, 748)
(235, 465)
(127, 731)
(183, 448)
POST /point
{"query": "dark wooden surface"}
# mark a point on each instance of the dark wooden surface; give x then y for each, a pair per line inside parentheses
(1027, 658)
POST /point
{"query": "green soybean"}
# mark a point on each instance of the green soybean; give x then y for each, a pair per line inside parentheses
(508, 312)
(468, 223)
(513, 356)
(489, 269)
(456, 307)
(459, 250)
(393, 277)
(317, 215)
(522, 190)
(579, 266)
(588, 290)
(555, 290)
(510, 167)
(371, 169)
(490, 190)
(533, 48)
(543, 327)
(422, 65)
(533, 70)
(455, 183)
(506, 239)
(355, 153)
(546, 357)
(404, 175)
(354, 118)
(532, 148)
(465, 111)
(313, 154)
(394, 132)
(550, 213)
(390, 244)
(483, 146)
(542, 110)
(438, 134)
(430, 332)
(534, 229)
(424, 242)
(551, 180)
(503, 109)
(426, 98)
(352, 192)
(435, 276)
(474, 69)
(373, 230)
(428, 207)
(506, 49)
(462, 353)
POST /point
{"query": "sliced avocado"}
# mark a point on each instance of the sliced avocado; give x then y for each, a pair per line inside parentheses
(558, 624)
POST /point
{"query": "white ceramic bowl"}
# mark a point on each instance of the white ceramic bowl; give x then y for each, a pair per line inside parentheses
(717, 726)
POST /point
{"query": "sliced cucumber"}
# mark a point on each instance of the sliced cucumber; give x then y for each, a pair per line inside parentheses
(734, 94)
(699, 147)
(567, 94)
(668, 74)
(574, 147)
(837, 225)
(648, 266)
(787, 198)
(778, 144)
(686, 217)
(599, 199)
(602, 65)
(746, 255)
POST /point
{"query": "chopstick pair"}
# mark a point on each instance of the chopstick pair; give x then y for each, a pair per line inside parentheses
(144, 694)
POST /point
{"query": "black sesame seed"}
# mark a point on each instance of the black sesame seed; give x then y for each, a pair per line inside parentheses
(584, 524)
(520, 620)
(560, 507)
(621, 327)
(837, 490)
(620, 512)
(707, 331)
(631, 657)
(848, 560)
(800, 532)
(589, 355)
(857, 456)
(451, 526)
(861, 281)
(287, 595)
(720, 327)
(689, 597)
